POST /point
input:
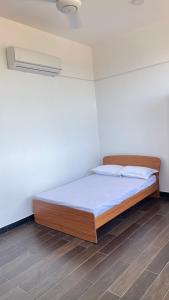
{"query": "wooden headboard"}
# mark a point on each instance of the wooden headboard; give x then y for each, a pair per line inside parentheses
(133, 160)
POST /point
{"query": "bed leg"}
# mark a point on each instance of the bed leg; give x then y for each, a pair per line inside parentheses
(156, 195)
(95, 241)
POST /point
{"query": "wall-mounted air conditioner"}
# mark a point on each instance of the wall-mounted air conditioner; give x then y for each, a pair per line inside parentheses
(32, 62)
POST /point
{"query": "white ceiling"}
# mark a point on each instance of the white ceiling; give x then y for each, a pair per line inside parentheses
(101, 19)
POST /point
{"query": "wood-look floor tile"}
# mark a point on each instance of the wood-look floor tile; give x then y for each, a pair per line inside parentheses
(44, 268)
(71, 281)
(77, 290)
(111, 225)
(47, 247)
(15, 294)
(5, 245)
(159, 287)
(2, 279)
(145, 240)
(86, 244)
(163, 238)
(24, 232)
(164, 208)
(52, 265)
(140, 286)
(68, 237)
(11, 254)
(109, 296)
(125, 253)
(30, 276)
(41, 287)
(120, 239)
(166, 297)
(102, 242)
(150, 204)
(68, 246)
(65, 266)
(133, 272)
(6, 287)
(101, 285)
(105, 240)
(149, 214)
(18, 265)
(152, 222)
(160, 260)
(38, 280)
(100, 269)
(126, 223)
(9, 247)
(146, 236)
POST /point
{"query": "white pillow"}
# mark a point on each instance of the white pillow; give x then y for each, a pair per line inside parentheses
(110, 170)
(137, 172)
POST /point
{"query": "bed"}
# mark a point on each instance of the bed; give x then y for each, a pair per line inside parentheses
(83, 206)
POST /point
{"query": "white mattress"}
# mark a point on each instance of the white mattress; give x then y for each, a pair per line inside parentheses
(96, 193)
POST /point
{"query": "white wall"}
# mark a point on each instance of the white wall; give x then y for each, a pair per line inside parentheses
(132, 91)
(48, 126)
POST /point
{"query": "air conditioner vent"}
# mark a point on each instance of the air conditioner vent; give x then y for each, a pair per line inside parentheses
(32, 62)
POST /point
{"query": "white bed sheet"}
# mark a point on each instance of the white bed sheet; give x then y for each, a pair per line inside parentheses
(96, 193)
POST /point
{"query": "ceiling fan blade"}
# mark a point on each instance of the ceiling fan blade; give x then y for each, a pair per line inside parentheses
(75, 21)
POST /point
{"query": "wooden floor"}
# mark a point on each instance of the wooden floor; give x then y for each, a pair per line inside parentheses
(130, 262)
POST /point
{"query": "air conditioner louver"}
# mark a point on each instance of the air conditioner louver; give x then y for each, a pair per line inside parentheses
(32, 62)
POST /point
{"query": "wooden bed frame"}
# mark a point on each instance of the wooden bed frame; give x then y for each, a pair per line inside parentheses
(84, 224)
